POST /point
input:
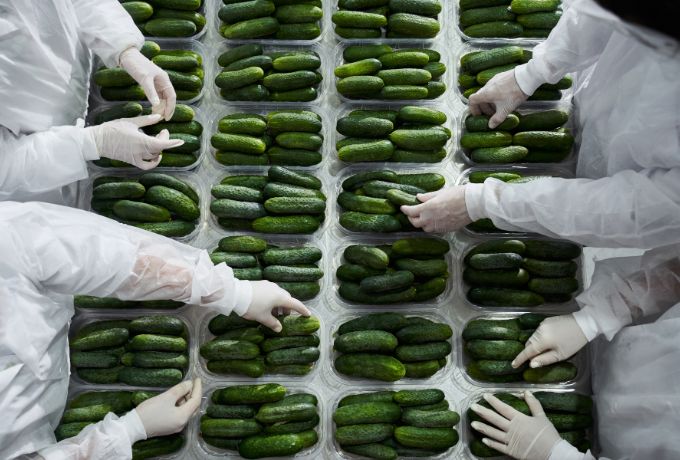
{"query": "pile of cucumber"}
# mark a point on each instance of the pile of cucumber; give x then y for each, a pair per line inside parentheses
(388, 424)
(156, 202)
(92, 406)
(148, 351)
(382, 72)
(294, 268)
(250, 74)
(521, 273)
(283, 201)
(570, 413)
(183, 66)
(111, 303)
(492, 344)
(409, 135)
(408, 270)
(166, 18)
(261, 420)
(508, 19)
(390, 346)
(478, 67)
(537, 137)
(370, 201)
(366, 19)
(243, 347)
(181, 126)
(282, 137)
(289, 20)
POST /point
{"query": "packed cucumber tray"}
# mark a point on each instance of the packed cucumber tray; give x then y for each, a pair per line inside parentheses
(306, 126)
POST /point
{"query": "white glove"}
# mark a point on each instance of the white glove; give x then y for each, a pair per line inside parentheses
(498, 98)
(441, 211)
(122, 140)
(515, 434)
(268, 296)
(170, 411)
(556, 339)
(154, 81)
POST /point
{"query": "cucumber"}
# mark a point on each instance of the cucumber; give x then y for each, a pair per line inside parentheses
(290, 121)
(176, 202)
(69, 430)
(127, 110)
(405, 76)
(495, 57)
(298, 61)
(221, 349)
(379, 150)
(287, 81)
(405, 92)
(169, 229)
(291, 273)
(423, 333)
(422, 369)
(252, 125)
(365, 413)
(301, 290)
(296, 326)
(369, 256)
(366, 127)
(428, 268)
(531, 320)
(423, 352)
(426, 438)
(498, 261)
(237, 209)
(84, 301)
(570, 422)
(106, 338)
(419, 139)
(498, 367)
(485, 15)
(551, 250)
(358, 68)
(400, 198)
(248, 334)
(533, 6)
(153, 342)
(494, 349)
(392, 281)
(150, 377)
(262, 61)
(479, 449)
(118, 190)
(476, 140)
(281, 412)
(379, 189)
(295, 205)
(150, 49)
(95, 359)
(236, 192)
(92, 413)
(478, 177)
(304, 141)
(361, 398)
(239, 52)
(230, 428)
(373, 450)
(236, 12)
(542, 121)
(430, 289)
(370, 366)
(351, 435)
(491, 329)
(375, 321)
(366, 341)
(480, 123)
(428, 182)
(430, 419)
(290, 157)
(163, 27)
(280, 343)
(249, 367)
(250, 28)
(277, 189)
(293, 255)
(292, 427)
(494, 29)
(418, 397)
(516, 278)
(151, 179)
(545, 140)
(565, 402)
(421, 7)
(276, 445)
(286, 224)
(554, 373)
(197, 18)
(352, 292)
(553, 286)
(355, 53)
(358, 19)
(415, 114)
(542, 20)
(157, 446)
(168, 325)
(249, 394)
(550, 269)
(234, 79)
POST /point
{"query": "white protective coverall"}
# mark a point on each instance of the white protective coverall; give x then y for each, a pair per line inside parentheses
(48, 253)
(45, 65)
(636, 376)
(627, 100)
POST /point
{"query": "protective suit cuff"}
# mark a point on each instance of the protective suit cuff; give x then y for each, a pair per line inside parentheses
(89, 146)
(565, 451)
(474, 202)
(133, 426)
(525, 80)
(243, 295)
(587, 324)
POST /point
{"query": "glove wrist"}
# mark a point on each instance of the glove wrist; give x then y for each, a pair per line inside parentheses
(474, 202)
(133, 426)
(243, 296)
(525, 80)
(587, 324)
(128, 54)
(90, 148)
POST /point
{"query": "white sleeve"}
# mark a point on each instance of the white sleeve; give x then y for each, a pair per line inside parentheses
(107, 29)
(574, 44)
(110, 439)
(565, 451)
(625, 290)
(628, 209)
(36, 163)
(83, 253)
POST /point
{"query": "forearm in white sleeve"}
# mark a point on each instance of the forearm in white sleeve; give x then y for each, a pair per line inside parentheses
(110, 439)
(107, 29)
(81, 252)
(565, 451)
(628, 209)
(36, 163)
(574, 44)
(626, 290)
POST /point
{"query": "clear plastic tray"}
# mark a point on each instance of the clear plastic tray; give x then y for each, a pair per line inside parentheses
(165, 44)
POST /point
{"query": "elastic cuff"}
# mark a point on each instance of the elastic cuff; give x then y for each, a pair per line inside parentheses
(243, 295)
(127, 48)
(565, 451)
(473, 201)
(133, 426)
(587, 324)
(89, 147)
(526, 82)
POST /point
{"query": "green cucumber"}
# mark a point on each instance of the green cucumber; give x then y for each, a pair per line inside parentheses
(370, 366)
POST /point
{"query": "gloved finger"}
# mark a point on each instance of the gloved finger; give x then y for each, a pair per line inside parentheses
(149, 88)
(500, 447)
(146, 165)
(490, 431)
(491, 416)
(144, 120)
(425, 197)
(502, 408)
(476, 100)
(159, 109)
(532, 348)
(188, 408)
(291, 303)
(534, 404)
(179, 391)
(474, 108)
(416, 221)
(167, 94)
(497, 118)
(411, 211)
(487, 109)
(158, 144)
(271, 322)
(544, 359)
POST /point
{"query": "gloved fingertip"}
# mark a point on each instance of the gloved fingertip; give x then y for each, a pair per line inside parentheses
(514, 364)
(277, 328)
(535, 364)
(476, 425)
(487, 396)
(486, 441)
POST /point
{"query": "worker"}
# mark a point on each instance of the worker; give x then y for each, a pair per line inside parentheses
(627, 108)
(632, 304)
(45, 66)
(49, 253)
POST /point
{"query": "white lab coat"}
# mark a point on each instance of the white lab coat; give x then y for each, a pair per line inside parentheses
(627, 102)
(633, 301)
(45, 65)
(48, 254)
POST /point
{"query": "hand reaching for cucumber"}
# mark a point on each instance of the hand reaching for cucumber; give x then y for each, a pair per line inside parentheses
(266, 297)
(555, 340)
(170, 411)
(153, 80)
(440, 211)
(498, 98)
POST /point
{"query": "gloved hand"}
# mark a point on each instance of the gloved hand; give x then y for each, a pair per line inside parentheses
(441, 211)
(154, 81)
(498, 98)
(556, 339)
(169, 412)
(122, 140)
(515, 434)
(266, 297)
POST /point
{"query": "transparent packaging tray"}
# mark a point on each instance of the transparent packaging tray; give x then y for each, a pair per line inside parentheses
(89, 317)
(165, 44)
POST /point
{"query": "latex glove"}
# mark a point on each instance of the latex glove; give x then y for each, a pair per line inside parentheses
(170, 411)
(556, 339)
(515, 434)
(498, 98)
(441, 211)
(122, 140)
(268, 296)
(154, 81)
